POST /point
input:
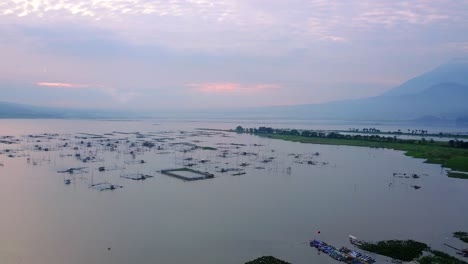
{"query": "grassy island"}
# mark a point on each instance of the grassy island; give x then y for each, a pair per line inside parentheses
(452, 154)
(410, 250)
(405, 250)
(458, 176)
(267, 260)
(435, 152)
(463, 236)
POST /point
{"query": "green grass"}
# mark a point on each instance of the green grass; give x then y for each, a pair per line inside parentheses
(404, 250)
(458, 163)
(208, 148)
(463, 236)
(458, 176)
(267, 260)
(436, 153)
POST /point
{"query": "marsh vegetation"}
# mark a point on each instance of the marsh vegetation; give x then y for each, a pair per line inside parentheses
(452, 154)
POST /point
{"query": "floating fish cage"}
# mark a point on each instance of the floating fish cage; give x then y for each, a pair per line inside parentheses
(187, 174)
(105, 186)
(137, 176)
(343, 254)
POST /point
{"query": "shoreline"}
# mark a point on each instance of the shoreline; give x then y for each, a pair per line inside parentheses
(434, 152)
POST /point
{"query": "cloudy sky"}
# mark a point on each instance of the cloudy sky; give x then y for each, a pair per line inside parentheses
(163, 54)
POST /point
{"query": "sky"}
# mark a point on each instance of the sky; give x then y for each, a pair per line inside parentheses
(192, 54)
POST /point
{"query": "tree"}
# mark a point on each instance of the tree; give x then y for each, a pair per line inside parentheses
(452, 143)
(239, 129)
(294, 132)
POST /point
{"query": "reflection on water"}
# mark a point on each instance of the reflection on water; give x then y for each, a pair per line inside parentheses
(268, 197)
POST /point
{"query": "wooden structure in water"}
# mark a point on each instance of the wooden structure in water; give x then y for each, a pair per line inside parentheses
(179, 174)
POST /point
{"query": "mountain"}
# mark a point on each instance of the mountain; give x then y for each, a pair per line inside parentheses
(453, 72)
(442, 101)
(441, 94)
(13, 110)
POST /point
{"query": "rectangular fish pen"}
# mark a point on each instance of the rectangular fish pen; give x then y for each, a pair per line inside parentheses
(187, 174)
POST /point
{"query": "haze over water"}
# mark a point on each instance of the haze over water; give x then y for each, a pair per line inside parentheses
(228, 219)
(116, 144)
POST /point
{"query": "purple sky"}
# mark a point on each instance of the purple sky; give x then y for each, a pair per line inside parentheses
(143, 54)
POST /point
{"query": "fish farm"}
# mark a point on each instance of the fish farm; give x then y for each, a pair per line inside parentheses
(188, 174)
(104, 161)
(343, 254)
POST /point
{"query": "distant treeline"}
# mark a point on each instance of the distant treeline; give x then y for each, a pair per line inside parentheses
(335, 135)
(399, 131)
(458, 144)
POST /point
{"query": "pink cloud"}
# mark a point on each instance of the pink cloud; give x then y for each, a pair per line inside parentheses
(63, 85)
(231, 87)
(266, 86)
(120, 96)
(216, 87)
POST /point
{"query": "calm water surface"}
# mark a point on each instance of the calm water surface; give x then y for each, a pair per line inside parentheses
(228, 219)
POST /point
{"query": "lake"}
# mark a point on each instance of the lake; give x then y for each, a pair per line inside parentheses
(268, 197)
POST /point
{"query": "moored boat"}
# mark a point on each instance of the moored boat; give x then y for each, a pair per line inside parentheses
(343, 254)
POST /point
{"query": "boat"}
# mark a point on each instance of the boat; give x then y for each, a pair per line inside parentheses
(353, 240)
(72, 170)
(343, 254)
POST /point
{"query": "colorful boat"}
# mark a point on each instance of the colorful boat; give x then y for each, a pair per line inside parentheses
(343, 254)
(353, 240)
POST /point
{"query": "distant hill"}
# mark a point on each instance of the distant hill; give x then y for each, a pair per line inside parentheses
(441, 94)
(445, 101)
(13, 110)
(453, 72)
